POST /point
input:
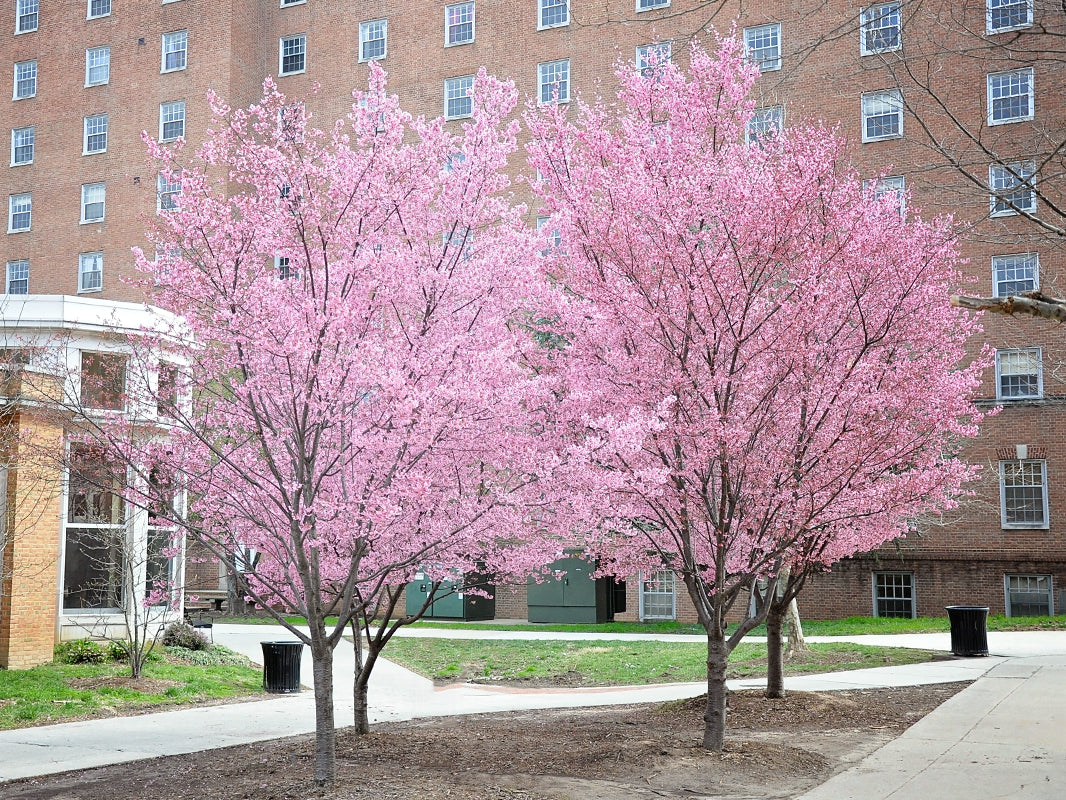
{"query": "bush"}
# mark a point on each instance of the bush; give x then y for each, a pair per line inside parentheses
(80, 651)
(118, 651)
(214, 656)
(182, 635)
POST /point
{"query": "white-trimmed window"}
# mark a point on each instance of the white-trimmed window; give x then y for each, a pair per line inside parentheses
(551, 236)
(1023, 493)
(22, 141)
(765, 121)
(763, 44)
(1011, 188)
(94, 139)
(171, 120)
(292, 3)
(97, 66)
(92, 202)
(552, 13)
(19, 212)
(894, 595)
(25, 80)
(26, 14)
(880, 29)
(458, 24)
(648, 5)
(458, 97)
(882, 115)
(553, 81)
(103, 380)
(1014, 274)
(90, 272)
(1008, 15)
(893, 187)
(650, 57)
(283, 268)
(18, 277)
(658, 595)
(168, 190)
(292, 54)
(1029, 595)
(175, 51)
(1019, 374)
(98, 8)
(1010, 96)
(373, 39)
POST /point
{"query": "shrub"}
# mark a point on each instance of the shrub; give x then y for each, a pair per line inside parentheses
(80, 651)
(118, 651)
(213, 656)
(180, 634)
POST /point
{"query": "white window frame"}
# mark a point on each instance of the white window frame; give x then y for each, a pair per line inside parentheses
(1021, 174)
(651, 5)
(661, 49)
(22, 11)
(659, 584)
(18, 271)
(457, 89)
(890, 185)
(869, 17)
(449, 25)
(544, 5)
(169, 114)
(86, 201)
(998, 82)
(541, 70)
(886, 99)
(90, 280)
(752, 35)
(364, 31)
(89, 10)
(287, 3)
(169, 42)
(301, 39)
(758, 125)
(991, 5)
(880, 592)
(14, 146)
(89, 66)
(28, 64)
(1035, 358)
(85, 134)
(283, 268)
(1015, 263)
(166, 189)
(1029, 579)
(1032, 464)
(17, 200)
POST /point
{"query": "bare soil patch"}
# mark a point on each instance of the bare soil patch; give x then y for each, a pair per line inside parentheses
(775, 749)
(143, 685)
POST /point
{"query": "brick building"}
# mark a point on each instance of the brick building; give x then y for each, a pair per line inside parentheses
(960, 104)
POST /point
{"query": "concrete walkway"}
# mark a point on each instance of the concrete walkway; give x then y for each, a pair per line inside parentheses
(1005, 736)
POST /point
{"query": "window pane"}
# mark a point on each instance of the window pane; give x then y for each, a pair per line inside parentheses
(763, 44)
(880, 28)
(18, 277)
(554, 12)
(1023, 492)
(103, 381)
(172, 121)
(554, 79)
(293, 50)
(894, 594)
(458, 101)
(93, 568)
(372, 37)
(1015, 274)
(459, 23)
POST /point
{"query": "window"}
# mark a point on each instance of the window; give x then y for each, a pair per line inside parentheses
(894, 594)
(98, 8)
(1011, 187)
(763, 44)
(458, 24)
(95, 139)
(1023, 493)
(652, 56)
(166, 402)
(458, 99)
(19, 212)
(92, 202)
(292, 2)
(97, 66)
(1010, 96)
(1006, 15)
(553, 13)
(103, 380)
(553, 81)
(292, 55)
(880, 29)
(373, 39)
(175, 50)
(1028, 595)
(893, 188)
(882, 115)
(90, 272)
(1015, 274)
(94, 552)
(553, 238)
(18, 277)
(168, 190)
(284, 268)
(1019, 374)
(658, 599)
(26, 15)
(171, 121)
(648, 5)
(22, 146)
(25, 80)
(764, 122)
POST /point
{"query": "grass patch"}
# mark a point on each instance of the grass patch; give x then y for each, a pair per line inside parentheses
(609, 663)
(49, 693)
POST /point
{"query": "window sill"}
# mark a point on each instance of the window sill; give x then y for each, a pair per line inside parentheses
(1028, 118)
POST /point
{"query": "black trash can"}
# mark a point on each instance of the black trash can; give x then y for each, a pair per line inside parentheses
(281, 666)
(969, 632)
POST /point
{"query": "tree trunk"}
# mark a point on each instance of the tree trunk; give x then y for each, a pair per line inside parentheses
(796, 642)
(325, 729)
(714, 717)
(775, 666)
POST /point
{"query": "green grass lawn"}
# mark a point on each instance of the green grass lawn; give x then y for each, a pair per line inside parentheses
(44, 694)
(613, 663)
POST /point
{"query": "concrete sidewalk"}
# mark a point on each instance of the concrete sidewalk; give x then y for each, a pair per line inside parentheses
(1015, 712)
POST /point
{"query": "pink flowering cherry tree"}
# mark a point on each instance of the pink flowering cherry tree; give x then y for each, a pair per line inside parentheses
(761, 369)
